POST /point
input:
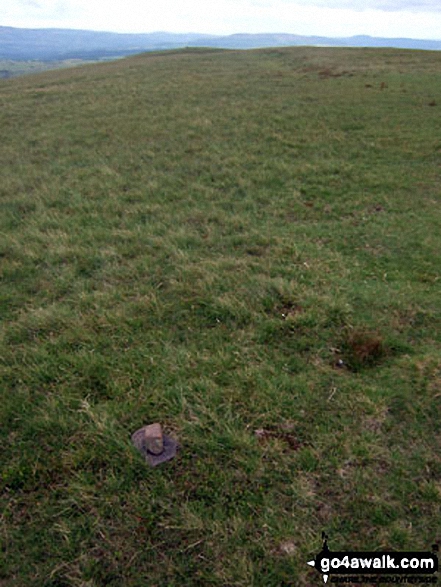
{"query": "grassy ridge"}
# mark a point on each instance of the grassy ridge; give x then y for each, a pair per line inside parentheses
(226, 243)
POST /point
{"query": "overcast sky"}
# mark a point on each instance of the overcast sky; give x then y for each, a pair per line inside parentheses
(387, 18)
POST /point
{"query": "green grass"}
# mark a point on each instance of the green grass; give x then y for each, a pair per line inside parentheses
(223, 242)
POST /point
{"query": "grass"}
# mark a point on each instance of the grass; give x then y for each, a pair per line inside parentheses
(243, 246)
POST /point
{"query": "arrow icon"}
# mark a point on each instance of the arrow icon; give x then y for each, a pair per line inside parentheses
(312, 564)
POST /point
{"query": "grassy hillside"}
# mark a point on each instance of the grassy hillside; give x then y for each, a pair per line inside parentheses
(243, 246)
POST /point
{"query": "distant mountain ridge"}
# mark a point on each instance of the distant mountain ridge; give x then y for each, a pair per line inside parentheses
(59, 44)
(249, 41)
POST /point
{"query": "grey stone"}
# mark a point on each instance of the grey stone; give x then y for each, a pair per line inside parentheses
(153, 439)
(170, 447)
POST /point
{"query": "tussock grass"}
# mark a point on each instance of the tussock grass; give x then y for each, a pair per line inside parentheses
(198, 238)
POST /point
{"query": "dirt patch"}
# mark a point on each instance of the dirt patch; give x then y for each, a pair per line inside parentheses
(360, 349)
(264, 435)
(287, 310)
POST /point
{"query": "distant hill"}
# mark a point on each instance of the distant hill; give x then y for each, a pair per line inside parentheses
(254, 41)
(61, 44)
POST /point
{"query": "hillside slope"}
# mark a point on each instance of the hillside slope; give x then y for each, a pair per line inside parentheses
(243, 246)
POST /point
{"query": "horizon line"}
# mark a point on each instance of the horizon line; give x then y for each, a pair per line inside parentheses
(217, 35)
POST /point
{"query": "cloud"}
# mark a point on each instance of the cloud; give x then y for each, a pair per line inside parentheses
(334, 18)
(383, 5)
(37, 9)
(32, 3)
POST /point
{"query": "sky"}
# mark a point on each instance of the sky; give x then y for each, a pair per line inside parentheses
(332, 18)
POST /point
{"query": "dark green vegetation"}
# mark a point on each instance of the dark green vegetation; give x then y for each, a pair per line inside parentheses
(225, 243)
